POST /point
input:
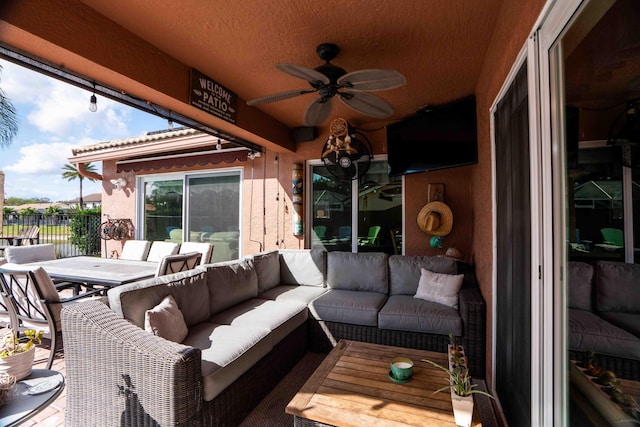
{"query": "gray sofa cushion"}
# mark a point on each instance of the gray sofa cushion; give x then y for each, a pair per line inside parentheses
(358, 271)
(302, 267)
(404, 271)
(230, 283)
(189, 288)
(590, 332)
(343, 306)
(227, 353)
(617, 287)
(280, 318)
(304, 294)
(406, 313)
(581, 285)
(268, 270)
(630, 322)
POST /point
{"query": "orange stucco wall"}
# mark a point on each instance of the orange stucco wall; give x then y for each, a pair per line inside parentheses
(506, 43)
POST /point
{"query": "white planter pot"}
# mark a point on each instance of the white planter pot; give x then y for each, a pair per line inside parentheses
(462, 409)
(19, 365)
(462, 406)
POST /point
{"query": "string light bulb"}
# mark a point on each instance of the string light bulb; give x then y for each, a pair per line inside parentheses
(219, 145)
(93, 101)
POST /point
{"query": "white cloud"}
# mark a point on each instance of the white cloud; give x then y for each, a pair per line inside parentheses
(58, 108)
(42, 159)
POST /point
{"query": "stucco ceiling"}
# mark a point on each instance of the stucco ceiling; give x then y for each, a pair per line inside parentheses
(438, 45)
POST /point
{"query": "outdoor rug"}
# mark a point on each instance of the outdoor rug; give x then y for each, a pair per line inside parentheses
(270, 412)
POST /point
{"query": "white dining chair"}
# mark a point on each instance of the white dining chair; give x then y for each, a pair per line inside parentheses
(160, 249)
(135, 250)
(31, 253)
(206, 249)
(36, 253)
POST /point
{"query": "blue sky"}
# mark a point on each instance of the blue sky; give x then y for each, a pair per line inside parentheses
(54, 118)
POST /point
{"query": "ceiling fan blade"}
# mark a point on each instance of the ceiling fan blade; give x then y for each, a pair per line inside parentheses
(317, 112)
(303, 73)
(372, 80)
(367, 103)
(279, 96)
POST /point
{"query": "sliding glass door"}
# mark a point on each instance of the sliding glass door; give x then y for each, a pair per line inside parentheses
(362, 215)
(210, 212)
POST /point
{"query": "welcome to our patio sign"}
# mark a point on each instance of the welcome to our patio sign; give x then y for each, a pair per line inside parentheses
(210, 96)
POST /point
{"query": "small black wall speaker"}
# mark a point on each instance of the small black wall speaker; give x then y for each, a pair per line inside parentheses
(304, 134)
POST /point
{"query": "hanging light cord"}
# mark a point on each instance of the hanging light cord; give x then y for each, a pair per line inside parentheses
(251, 209)
(277, 200)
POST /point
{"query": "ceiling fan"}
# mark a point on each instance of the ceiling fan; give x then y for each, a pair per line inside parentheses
(329, 80)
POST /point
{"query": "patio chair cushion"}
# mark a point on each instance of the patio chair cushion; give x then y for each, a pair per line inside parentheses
(580, 285)
(135, 250)
(166, 320)
(630, 322)
(189, 289)
(230, 283)
(590, 332)
(304, 294)
(268, 270)
(31, 253)
(206, 249)
(161, 249)
(303, 267)
(227, 353)
(440, 288)
(280, 318)
(346, 270)
(49, 292)
(344, 306)
(617, 287)
(406, 313)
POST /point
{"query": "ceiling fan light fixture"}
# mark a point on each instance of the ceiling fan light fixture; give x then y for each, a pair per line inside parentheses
(330, 80)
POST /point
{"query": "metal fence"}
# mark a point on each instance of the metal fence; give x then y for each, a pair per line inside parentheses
(72, 234)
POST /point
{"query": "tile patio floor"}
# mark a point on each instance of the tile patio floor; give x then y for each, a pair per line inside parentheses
(53, 415)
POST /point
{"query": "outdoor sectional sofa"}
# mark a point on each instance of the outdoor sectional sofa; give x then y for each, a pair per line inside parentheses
(248, 322)
(604, 315)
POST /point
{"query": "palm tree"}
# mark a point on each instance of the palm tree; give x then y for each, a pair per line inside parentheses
(8, 120)
(71, 173)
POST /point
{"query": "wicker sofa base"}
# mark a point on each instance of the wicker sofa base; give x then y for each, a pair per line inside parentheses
(324, 336)
(240, 398)
(623, 368)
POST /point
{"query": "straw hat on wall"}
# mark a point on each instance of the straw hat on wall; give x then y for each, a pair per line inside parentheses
(435, 218)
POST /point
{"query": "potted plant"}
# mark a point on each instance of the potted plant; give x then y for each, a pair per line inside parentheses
(17, 352)
(460, 386)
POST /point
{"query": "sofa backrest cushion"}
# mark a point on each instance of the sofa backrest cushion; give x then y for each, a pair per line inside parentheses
(364, 271)
(303, 267)
(230, 283)
(581, 285)
(617, 287)
(405, 271)
(267, 267)
(188, 288)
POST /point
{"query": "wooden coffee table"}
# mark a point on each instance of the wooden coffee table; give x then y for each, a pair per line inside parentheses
(352, 388)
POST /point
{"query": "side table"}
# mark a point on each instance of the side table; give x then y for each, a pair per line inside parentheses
(32, 395)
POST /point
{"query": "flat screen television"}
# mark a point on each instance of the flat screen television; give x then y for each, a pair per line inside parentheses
(435, 138)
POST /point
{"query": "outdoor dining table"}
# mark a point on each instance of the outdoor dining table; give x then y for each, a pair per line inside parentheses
(93, 271)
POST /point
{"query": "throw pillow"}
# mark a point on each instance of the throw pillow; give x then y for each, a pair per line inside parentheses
(165, 320)
(440, 288)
